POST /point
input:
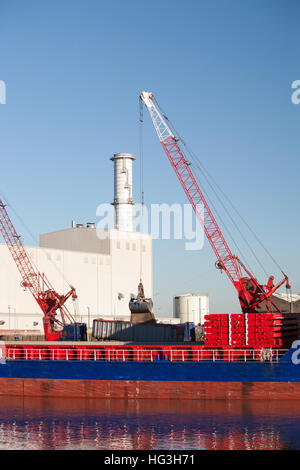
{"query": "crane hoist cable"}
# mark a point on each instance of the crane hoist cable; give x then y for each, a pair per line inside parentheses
(141, 153)
(252, 295)
(204, 171)
(48, 299)
(242, 255)
(44, 250)
(234, 224)
(212, 204)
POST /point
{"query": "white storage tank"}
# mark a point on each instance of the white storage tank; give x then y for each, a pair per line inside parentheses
(191, 307)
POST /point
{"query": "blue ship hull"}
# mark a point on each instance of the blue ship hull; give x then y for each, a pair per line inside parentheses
(162, 379)
(205, 371)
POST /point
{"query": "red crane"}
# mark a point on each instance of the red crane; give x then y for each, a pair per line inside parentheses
(252, 295)
(41, 289)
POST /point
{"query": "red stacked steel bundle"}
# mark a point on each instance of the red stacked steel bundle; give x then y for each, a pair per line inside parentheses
(257, 330)
(272, 329)
(237, 329)
(216, 330)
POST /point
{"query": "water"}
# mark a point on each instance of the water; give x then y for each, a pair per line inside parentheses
(74, 424)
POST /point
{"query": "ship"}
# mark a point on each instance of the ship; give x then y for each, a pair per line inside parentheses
(251, 355)
(85, 370)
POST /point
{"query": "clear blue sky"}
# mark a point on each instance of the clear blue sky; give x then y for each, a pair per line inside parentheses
(222, 70)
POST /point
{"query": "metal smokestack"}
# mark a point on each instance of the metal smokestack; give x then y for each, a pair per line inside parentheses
(123, 201)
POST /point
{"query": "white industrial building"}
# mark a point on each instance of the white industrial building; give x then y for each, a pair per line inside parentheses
(102, 264)
(191, 307)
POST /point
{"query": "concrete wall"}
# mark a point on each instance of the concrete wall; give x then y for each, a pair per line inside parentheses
(78, 239)
(104, 282)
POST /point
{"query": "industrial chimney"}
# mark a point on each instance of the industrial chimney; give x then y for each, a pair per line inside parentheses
(123, 201)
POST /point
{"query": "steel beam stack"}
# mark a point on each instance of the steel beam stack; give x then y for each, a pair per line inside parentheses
(273, 329)
(256, 330)
(216, 330)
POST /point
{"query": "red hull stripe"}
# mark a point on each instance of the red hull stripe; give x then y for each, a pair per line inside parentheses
(148, 389)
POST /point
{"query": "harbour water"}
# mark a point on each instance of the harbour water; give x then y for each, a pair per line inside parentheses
(73, 424)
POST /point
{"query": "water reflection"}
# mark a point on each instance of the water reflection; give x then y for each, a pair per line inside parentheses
(27, 423)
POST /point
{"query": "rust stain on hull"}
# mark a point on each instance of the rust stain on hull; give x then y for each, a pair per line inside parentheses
(149, 389)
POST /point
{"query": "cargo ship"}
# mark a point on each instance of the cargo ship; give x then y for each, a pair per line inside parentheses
(85, 370)
(251, 355)
(243, 356)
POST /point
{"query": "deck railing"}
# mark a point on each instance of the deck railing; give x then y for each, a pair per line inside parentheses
(131, 354)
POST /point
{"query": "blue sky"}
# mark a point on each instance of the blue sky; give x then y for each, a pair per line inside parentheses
(222, 71)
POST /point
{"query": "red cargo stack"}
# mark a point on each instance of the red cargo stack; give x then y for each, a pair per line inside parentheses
(237, 330)
(216, 330)
(256, 330)
(252, 323)
(272, 329)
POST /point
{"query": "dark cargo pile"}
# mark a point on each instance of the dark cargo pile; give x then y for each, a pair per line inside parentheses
(137, 332)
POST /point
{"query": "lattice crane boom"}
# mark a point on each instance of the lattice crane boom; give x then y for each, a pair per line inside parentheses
(37, 283)
(251, 293)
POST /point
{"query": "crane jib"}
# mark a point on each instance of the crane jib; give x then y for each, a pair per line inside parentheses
(251, 293)
(37, 283)
(205, 217)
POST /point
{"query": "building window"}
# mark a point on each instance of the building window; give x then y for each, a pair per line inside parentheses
(118, 245)
(127, 246)
(133, 246)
